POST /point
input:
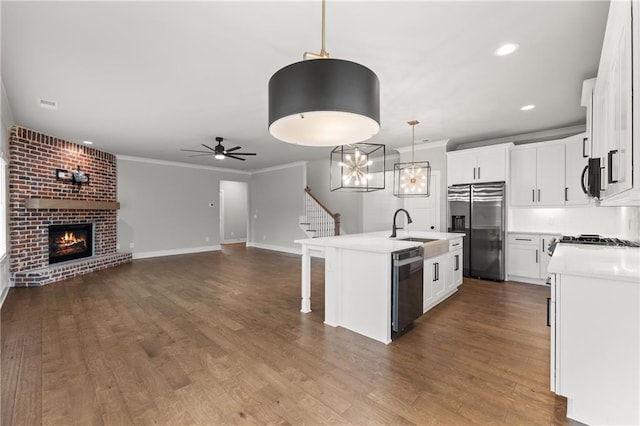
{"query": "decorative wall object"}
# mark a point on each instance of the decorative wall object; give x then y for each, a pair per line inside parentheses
(358, 167)
(72, 176)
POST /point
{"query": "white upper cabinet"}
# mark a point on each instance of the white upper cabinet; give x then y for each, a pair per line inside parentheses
(577, 152)
(487, 164)
(537, 174)
(613, 109)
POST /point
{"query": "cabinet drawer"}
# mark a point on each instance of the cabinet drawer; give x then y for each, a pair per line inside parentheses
(455, 244)
(524, 239)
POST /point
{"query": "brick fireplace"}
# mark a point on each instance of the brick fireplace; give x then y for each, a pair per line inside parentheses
(37, 200)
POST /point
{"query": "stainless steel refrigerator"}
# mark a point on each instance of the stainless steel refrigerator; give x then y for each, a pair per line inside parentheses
(478, 210)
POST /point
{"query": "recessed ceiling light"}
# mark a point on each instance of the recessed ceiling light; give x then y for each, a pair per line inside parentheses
(507, 49)
(87, 142)
(527, 107)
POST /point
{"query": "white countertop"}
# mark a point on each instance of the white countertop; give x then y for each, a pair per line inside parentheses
(377, 242)
(615, 263)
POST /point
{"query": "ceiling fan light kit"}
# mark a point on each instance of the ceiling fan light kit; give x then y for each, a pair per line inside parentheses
(324, 102)
(358, 167)
(219, 152)
(412, 179)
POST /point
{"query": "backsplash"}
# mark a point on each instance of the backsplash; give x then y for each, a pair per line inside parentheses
(620, 222)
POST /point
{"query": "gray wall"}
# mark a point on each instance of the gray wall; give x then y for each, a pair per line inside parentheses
(7, 122)
(235, 202)
(165, 206)
(276, 202)
(348, 204)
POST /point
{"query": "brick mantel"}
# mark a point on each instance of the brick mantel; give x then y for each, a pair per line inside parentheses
(33, 159)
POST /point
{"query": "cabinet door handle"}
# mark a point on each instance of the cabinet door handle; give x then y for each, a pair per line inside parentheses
(435, 272)
(538, 195)
(584, 148)
(536, 255)
(478, 172)
(457, 262)
(533, 195)
(474, 173)
(566, 190)
(584, 174)
(610, 166)
(548, 312)
(523, 239)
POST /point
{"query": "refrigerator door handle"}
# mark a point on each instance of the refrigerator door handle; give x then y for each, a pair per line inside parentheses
(474, 173)
(533, 195)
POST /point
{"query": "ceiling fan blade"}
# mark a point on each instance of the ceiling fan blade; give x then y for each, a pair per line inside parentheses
(207, 146)
(234, 157)
(193, 150)
(206, 154)
(244, 153)
(234, 148)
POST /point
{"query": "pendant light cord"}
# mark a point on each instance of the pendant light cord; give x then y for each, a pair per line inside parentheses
(413, 123)
(323, 52)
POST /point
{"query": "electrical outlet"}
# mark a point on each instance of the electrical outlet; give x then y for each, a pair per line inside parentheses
(206, 239)
(117, 246)
(264, 237)
(232, 233)
(131, 245)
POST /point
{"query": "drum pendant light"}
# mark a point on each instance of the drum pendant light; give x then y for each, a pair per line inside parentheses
(412, 179)
(324, 102)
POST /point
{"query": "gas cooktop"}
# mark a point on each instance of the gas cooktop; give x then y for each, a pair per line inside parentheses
(597, 240)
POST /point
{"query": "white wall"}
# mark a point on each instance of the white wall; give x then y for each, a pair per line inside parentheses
(276, 202)
(164, 206)
(7, 122)
(348, 204)
(234, 199)
(620, 222)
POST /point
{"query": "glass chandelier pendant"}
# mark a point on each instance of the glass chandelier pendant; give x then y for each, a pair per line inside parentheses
(358, 167)
(412, 179)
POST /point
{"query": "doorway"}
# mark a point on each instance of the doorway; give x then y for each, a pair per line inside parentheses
(234, 211)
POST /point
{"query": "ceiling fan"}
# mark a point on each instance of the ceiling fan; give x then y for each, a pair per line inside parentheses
(219, 152)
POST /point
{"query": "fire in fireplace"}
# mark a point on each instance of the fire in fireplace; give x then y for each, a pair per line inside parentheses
(68, 242)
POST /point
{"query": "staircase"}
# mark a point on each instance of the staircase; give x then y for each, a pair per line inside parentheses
(318, 221)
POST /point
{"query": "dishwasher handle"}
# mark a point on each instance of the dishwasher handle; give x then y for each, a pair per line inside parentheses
(403, 262)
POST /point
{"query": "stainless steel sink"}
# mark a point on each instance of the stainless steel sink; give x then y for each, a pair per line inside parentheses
(432, 247)
(420, 240)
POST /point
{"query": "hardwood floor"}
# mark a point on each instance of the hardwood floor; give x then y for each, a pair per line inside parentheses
(218, 338)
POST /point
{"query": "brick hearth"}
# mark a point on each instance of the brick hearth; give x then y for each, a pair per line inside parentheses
(33, 158)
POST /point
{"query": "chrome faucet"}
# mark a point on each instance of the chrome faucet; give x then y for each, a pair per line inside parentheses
(395, 215)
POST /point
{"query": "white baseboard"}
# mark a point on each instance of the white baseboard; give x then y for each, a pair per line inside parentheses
(527, 280)
(147, 254)
(276, 248)
(237, 240)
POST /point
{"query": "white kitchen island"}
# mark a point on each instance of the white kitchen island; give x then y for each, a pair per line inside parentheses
(358, 277)
(594, 314)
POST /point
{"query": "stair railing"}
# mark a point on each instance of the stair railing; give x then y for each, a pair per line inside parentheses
(320, 218)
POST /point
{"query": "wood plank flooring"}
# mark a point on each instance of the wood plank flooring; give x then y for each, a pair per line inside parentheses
(218, 338)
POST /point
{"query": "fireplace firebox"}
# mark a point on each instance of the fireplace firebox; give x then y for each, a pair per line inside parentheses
(68, 242)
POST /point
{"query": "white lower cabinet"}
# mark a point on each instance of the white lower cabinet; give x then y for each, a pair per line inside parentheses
(527, 257)
(442, 276)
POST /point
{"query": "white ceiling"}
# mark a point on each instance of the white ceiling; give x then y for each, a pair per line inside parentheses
(148, 78)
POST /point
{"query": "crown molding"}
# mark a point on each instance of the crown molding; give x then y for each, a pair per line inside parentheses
(280, 167)
(423, 146)
(541, 136)
(178, 164)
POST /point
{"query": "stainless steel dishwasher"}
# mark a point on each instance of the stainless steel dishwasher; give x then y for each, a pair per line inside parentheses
(406, 288)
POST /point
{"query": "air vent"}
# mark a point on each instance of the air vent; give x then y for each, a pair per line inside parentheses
(48, 104)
